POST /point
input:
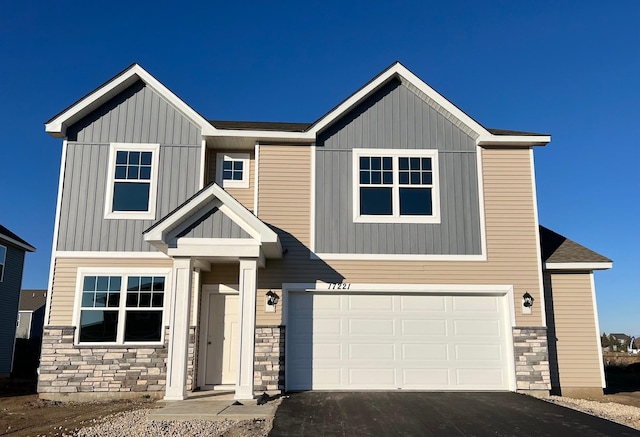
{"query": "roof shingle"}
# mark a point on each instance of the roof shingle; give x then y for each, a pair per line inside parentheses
(557, 248)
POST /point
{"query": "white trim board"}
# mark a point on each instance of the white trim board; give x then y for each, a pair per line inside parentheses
(394, 257)
(578, 266)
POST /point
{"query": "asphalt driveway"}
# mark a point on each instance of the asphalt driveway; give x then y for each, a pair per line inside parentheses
(387, 414)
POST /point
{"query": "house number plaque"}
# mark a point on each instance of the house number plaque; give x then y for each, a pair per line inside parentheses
(339, 286)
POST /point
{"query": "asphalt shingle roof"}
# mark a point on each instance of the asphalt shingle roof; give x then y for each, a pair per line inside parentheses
(557, 248)
(7, 233)
(31, 300)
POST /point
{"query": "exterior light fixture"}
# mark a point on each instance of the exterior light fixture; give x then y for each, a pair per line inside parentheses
(272, 298)
(527, 303)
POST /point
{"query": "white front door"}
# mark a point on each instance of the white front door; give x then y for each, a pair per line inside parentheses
(397, 341)
(222, 340)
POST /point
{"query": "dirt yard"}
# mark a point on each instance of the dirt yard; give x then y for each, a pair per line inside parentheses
(23, 414)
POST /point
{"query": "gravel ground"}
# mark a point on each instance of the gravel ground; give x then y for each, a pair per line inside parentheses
(619, 413)
(135, 423)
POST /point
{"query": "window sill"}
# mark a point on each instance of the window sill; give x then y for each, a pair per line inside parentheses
(391, 219)
(119, 346)
(134, 215)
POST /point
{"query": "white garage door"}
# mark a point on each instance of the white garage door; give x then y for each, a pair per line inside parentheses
(397, 341)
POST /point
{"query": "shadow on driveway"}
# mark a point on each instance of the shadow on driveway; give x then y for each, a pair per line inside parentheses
(387, 414)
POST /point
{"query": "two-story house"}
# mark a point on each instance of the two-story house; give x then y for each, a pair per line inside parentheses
(392, 244)
(12, 253)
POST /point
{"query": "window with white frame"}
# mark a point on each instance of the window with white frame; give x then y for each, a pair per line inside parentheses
(3, 260)
(121, 308)
(395, 186)
(132, 182)
(232, 170)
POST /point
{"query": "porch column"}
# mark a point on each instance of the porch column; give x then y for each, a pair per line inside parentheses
(179, 329)
(247, 319)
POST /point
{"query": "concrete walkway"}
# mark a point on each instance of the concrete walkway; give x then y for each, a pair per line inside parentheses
(212, 405)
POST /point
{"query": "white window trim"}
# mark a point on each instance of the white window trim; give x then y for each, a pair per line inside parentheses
(150, 214)
(396, 217)
(122, 272)
(246, 169)
(3, 262)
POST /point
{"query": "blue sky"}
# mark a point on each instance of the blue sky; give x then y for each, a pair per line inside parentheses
(568, 68)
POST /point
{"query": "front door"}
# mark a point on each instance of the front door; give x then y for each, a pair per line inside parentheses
(222, 340)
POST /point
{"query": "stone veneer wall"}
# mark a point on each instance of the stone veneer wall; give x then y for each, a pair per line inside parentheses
(531, 358)
(66, 368)
(268, 370)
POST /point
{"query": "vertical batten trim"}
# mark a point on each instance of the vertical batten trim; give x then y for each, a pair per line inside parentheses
(481, 202)
(203, 157)
(256, 166)
(56, 230)
(312, 209)
(543, 313)
(603, 380)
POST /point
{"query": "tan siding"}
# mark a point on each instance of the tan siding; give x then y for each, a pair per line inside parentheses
(573, 323)
(284, 202)
(243, 195)
(64, 282)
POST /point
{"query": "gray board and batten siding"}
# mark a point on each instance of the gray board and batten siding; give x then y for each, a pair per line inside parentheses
(137, 115)
(212, 224)
(397, 117)
(9, 299)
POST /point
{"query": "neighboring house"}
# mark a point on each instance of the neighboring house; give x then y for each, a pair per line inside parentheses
(391, 244)
(12, 251)
(31, 314)
(622, 342)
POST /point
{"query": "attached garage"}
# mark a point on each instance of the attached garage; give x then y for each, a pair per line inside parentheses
(399, 340)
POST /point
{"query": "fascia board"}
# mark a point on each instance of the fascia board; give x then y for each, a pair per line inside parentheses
(26, 247)
(513, 140)
(57, 126)
(579, 266)
(266, 135)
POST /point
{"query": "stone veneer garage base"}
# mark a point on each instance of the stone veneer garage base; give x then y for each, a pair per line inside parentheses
(84, 372)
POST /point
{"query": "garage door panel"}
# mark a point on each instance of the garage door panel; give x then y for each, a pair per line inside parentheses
(419, 378)
(430, 328)
(420, 352)
(480, 377)
(474, 352)
(476, 304)
(331, 326)
(401, 342)
(372, 351)
(423, 303)
(364, 376)
(370, 303)
(325, 302)
(477, 328)
(371, 327)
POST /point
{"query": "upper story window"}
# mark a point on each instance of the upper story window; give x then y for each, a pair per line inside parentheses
(232, 170)
(132, 182)
(395, 186)
(3, 260)
(121, 308)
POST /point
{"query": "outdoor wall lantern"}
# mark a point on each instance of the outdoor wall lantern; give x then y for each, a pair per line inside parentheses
(527, 303)
(272, 298)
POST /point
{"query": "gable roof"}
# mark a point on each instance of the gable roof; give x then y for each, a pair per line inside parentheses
(31, 300)
(59, 123)
(10, 237)
(194, 208)
(559, 252)
(306, 132)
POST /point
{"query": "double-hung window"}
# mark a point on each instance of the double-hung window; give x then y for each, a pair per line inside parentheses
(3, 261)
(395, 186)
(132, 181)
(121, 308)
(232, 170)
